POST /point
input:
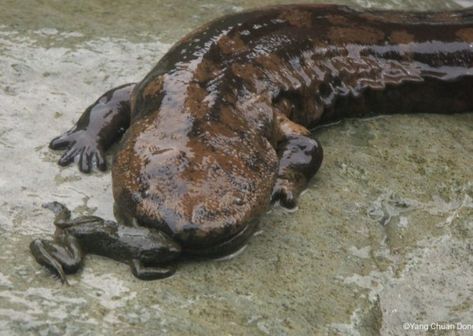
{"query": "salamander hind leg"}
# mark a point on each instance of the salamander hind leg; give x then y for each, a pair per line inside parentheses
(300, 156)
(98, 128)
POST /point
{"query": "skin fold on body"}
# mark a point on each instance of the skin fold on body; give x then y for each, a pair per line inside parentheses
(219, 129)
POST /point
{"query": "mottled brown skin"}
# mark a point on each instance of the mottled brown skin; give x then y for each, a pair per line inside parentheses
(219, 128)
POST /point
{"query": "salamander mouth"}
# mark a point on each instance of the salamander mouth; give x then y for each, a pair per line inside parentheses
(228, 246)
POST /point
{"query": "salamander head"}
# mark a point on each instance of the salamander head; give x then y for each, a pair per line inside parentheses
(199, 194)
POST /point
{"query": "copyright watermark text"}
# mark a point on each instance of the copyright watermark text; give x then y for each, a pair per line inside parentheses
(438, 326)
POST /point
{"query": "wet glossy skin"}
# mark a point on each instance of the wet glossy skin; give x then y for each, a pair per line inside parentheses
(140, 247)
(219, 128)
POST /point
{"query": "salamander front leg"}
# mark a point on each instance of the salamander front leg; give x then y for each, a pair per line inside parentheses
(98, 128)
(300, 156)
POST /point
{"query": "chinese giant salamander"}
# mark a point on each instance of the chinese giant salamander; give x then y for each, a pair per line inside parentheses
(219, 128)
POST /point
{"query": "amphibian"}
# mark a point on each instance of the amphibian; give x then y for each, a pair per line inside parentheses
(219, 129)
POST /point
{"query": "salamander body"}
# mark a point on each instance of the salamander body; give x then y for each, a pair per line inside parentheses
(219, 129)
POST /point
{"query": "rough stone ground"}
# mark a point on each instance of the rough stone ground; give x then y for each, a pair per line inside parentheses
(382, 237)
